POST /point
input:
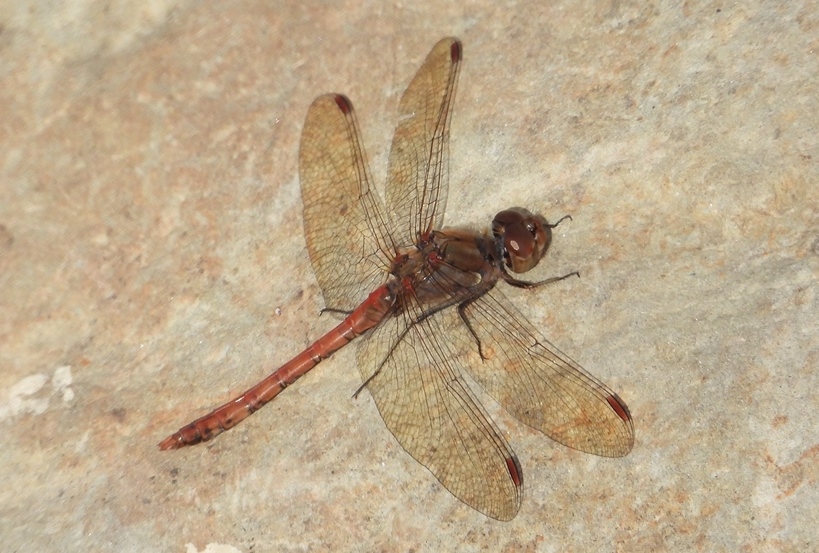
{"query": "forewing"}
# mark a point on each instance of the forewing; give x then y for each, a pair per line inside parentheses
(418, 175)
(424, 401)
(540, 386)
(344, 222)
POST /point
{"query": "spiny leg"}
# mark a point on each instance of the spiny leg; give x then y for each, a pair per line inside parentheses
(512, 281)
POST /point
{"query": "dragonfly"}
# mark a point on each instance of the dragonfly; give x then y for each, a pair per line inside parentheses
(424, 298)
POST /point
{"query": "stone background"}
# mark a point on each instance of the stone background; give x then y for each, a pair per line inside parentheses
(152, 264)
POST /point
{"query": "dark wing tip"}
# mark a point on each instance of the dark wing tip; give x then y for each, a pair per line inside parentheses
(343, 104)
(619, 407)
(456, 51)
(515, 472)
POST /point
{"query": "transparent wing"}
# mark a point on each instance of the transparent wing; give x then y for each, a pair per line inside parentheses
(344, 222)
(540, 386)
(414, 374)
(418, 175)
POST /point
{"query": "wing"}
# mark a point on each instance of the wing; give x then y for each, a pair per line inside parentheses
(418, 175)
(343, 216)
(540, 386)
(433, 414)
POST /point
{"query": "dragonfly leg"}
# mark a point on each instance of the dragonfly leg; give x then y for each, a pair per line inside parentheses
(553, 225)
(383, 362)
(512, 281)
(462, 312)
(421, 318)
(333, 310)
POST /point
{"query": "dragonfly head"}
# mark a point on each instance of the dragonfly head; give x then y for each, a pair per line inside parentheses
(525, 238)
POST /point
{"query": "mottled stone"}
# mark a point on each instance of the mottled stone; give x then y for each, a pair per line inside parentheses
(152, 265)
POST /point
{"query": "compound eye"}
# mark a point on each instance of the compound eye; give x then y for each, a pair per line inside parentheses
(525, 238)
(519, 241)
